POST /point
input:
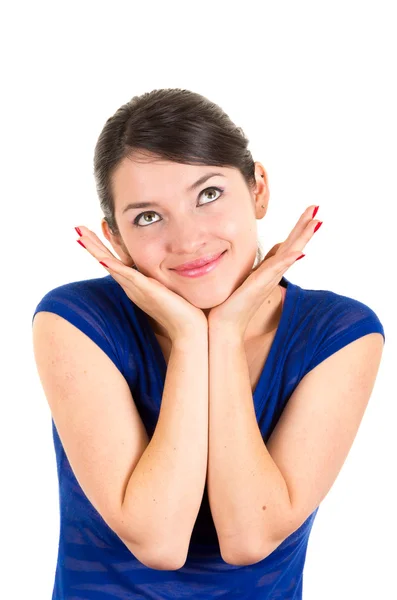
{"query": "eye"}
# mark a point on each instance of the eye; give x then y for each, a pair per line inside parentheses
(151, 212)
(220, 190)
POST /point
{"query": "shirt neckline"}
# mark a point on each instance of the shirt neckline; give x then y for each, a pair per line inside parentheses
(262, 389)
(269, 372)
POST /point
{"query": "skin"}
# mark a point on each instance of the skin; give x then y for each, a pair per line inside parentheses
(188, 225)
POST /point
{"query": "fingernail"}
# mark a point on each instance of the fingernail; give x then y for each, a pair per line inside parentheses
(102, 263)
(81, 243)
(315, 211)
(317, 226)
(78, 230)
(301, 256)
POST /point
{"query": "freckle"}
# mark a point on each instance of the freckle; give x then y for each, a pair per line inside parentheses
(263, 507)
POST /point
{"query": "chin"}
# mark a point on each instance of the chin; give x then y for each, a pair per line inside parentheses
(212, 291)
(208, 297)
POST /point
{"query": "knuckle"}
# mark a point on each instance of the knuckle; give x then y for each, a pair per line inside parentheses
(293, 256)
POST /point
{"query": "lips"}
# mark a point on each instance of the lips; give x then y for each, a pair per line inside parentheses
(198, 263)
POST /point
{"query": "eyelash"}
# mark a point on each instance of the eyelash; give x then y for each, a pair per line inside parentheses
(135, 221)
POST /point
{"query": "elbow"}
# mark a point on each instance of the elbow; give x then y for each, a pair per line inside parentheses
(169, 563)
(155, 558)
(240, 558)
(236, 556)
(164, 561)
(164, 556)
(244, 552)
(153, 552)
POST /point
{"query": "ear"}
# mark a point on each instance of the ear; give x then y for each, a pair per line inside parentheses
(261, 191)
(117, 244)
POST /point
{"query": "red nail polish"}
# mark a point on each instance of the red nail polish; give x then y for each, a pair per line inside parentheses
(315, 211)
(102, 263)
(317, 226)
(78, 230)
(301, 256)
(81, 243)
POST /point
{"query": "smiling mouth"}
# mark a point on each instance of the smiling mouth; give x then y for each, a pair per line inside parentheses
(202, 270)
(196, 264)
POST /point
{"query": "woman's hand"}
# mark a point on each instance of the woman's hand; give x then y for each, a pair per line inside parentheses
(174, 313)
(236, 312)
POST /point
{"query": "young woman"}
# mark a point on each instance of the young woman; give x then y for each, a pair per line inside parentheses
(200, 413)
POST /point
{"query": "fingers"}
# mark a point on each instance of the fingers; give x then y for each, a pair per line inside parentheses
(279, 268)
(94, 241)
(295, 242)
(273, 251)
(275, 266)
(302, 232)
(305, 236)
(99, 251)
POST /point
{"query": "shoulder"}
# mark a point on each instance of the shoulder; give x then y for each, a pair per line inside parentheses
(327, 321)
(98, 307)
(101, 299)
(333, 310)
(100, 289)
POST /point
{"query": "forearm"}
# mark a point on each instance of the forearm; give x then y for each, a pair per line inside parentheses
(164, 493)
(247, 492)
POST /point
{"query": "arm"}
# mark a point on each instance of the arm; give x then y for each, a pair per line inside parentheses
(246, 490)
(260, 495)
(165, 491)
(148, 492)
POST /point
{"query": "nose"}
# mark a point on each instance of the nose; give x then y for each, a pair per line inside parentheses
(187, 235)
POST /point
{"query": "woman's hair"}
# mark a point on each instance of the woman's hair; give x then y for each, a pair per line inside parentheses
(172, 124)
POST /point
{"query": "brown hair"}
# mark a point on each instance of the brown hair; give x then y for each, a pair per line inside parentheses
(172, 124)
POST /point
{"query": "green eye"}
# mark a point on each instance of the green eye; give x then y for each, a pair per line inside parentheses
(151, 212)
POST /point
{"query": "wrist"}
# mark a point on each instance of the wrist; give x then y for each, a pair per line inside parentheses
(229, 333)
(192, 334)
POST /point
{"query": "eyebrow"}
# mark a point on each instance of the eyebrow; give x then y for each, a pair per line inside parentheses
(189, 189)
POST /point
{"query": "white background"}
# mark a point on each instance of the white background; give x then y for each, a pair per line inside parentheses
(313, 85)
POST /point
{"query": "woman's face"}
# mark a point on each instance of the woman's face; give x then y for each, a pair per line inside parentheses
(184, 221)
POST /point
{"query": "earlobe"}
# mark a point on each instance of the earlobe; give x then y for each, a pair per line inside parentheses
(261, 196)
(261, 178)
(106, 230)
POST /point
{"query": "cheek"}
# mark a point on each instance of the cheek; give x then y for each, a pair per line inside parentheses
(231, 229)
(240, 231)
(242, 235)
(147, 257)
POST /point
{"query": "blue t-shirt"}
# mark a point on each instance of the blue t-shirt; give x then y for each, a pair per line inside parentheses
(93, 563)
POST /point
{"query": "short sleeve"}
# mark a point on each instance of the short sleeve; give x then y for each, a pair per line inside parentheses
(90, 310)
(337, 324)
